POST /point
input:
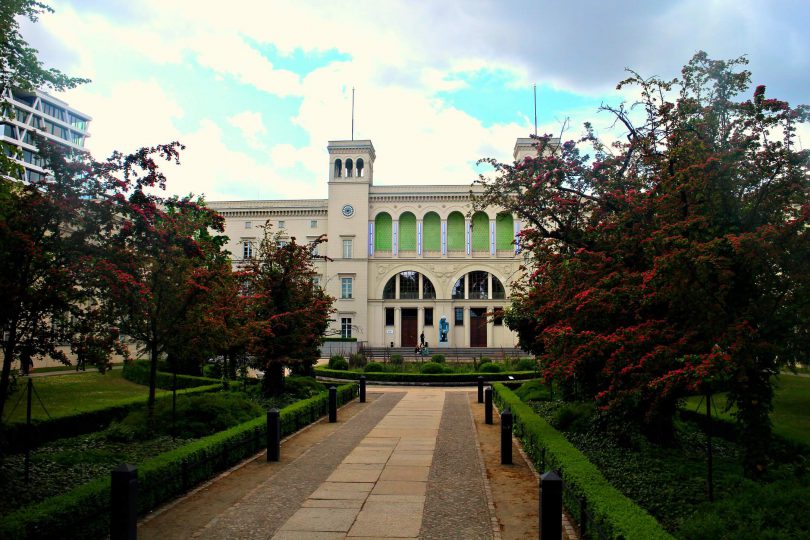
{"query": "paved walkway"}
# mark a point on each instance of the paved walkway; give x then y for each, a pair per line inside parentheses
(405, 465)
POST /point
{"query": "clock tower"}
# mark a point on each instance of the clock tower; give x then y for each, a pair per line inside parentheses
(351, 172)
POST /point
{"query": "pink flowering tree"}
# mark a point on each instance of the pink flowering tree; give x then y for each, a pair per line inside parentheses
(672, 263)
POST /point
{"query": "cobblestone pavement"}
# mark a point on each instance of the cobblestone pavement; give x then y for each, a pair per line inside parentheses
(456, 505)
(261, 512)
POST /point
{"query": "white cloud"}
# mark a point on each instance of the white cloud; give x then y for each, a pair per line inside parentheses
(251, 126)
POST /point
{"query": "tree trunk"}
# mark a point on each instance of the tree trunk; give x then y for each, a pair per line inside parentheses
(153, 362)
(753, 414)
(273, 383)
(8, 357)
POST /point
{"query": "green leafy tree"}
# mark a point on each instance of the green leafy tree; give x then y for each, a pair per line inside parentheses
(675, 262)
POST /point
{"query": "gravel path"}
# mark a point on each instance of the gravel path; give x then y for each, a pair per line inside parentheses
(261, 512)
(456, 505)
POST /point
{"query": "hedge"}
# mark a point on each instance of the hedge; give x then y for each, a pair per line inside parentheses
(612, 513)
(85, 511)
(422, 377)
(138, 372)
(12, 434)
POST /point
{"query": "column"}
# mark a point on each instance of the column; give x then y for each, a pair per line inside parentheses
(492, 245)
(444, 237)
(370, 238)
(419, 238)
(468, 235)
(490, 327)
(517, 232)
(395, 239)
(397, 325)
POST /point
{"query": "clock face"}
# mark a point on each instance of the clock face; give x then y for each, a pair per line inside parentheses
(348, 210)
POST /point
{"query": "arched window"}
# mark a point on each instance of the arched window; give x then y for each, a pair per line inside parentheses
(338, 168)
(407, 232)
(382, 232)
(432, 232)
(479, 285)
(458, 289)
(504, 231)
(390, 290)
(359, 164)
(455, 231)
(348, 168)
(428, 291)
(498, 291)
(480, 232)
(409, 285)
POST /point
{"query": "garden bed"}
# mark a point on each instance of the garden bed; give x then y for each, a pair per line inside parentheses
(421, 378)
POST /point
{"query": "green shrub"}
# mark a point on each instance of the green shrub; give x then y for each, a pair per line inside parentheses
(525, 364)
(431, 367)
(397, 359)
(490, 368)
(437, 358)
(376, 374)
(357, 360)
(374, 367)
(212, 371)
(338, 362)
(302, 387)
(484, 360)
(612, 512)
(138, 372)
(777, 510)
(574, 417)
(84, 512)
(533, 391)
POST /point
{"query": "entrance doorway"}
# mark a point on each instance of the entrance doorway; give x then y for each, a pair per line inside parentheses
(478, 327)
(409, 327)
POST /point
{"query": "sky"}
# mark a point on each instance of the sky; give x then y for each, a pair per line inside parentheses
(256, 89)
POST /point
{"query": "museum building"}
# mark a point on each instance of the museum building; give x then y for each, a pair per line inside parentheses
(401, 260)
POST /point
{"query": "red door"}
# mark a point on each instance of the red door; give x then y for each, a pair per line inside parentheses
(478, 327)
(409, 327)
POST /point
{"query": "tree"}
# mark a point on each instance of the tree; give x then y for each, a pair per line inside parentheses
(161, 256)
(289, 312)
(675, 262)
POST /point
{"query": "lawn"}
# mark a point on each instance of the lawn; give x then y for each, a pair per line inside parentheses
(791, 408)
(63, 395)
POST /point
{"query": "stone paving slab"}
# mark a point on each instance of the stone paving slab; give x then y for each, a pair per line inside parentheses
(261, 512)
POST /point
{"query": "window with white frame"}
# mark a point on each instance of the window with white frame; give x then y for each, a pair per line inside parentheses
(345, 327)
(248, 224)
(346, 287)
(313, 223)
(347, 249)
(316, 281)
(281, 224)
(247, 249)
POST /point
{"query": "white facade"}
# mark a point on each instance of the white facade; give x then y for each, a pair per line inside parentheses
(402, 258)
(37, 112)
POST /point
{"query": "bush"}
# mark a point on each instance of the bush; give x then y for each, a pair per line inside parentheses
(612, 512)
(374, 367)
(397, 359)
(437, 358)
(138, 372)
(338, 362)
(376, 374)
(212, 371)
(84, 512)
(533, 391)
(525, 364)
(357, 360)
(484, 360)
(574, 417)
(302, 387)
(431, 367)
(490, 368)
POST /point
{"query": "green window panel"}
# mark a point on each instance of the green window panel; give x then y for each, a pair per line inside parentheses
(455, 232)
(382, 232)
(504, 231)
(480, 232)
(432, 232)
(407, 232)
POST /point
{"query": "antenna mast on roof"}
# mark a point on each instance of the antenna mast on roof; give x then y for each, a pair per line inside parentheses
(352, 112)
(535, 110)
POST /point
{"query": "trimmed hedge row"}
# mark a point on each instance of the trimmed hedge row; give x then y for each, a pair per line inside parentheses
(422, 377)
(85, 511)
(138, 372)
(12, 434)
(611, 512)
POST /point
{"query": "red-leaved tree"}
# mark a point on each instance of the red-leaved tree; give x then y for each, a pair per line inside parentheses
(676, 262)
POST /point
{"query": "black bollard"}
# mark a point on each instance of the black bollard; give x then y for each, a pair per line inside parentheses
(362, 388)
(506, 437)
(273, 435)
(480, 389)
(550, 505)
(488, 406)
(124, 503)
(332, 404)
